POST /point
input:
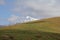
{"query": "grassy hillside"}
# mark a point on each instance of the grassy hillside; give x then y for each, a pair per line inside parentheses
(45, 29)
(48, 25)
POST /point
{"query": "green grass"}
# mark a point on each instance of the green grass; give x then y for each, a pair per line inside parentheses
(30, 35)
(46, 29)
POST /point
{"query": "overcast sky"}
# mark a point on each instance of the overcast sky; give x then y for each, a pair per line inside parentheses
(12, 11)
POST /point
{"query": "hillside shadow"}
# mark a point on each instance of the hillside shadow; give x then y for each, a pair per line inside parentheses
(30, 35)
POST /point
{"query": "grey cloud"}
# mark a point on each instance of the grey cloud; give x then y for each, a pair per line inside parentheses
(2, 2)
(37, 8)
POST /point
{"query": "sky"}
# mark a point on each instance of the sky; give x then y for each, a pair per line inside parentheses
(17, 11)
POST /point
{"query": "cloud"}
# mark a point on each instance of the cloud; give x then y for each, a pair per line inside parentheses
(13, 19)
(17, 19)
(37, 8)
(2, 2)
(28, 18)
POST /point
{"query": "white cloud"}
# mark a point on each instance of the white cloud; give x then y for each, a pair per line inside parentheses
(37, 8)
(13, 19)
(17, 19)
(28, 18)
(2, 2)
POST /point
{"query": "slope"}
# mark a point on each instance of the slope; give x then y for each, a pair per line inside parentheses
(45, 29)
(46, 25)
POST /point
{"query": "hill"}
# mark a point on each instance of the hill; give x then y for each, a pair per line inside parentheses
(45, 29)
(49, 25)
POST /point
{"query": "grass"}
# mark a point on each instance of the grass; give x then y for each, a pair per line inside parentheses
(30, 35)
(46, 29)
